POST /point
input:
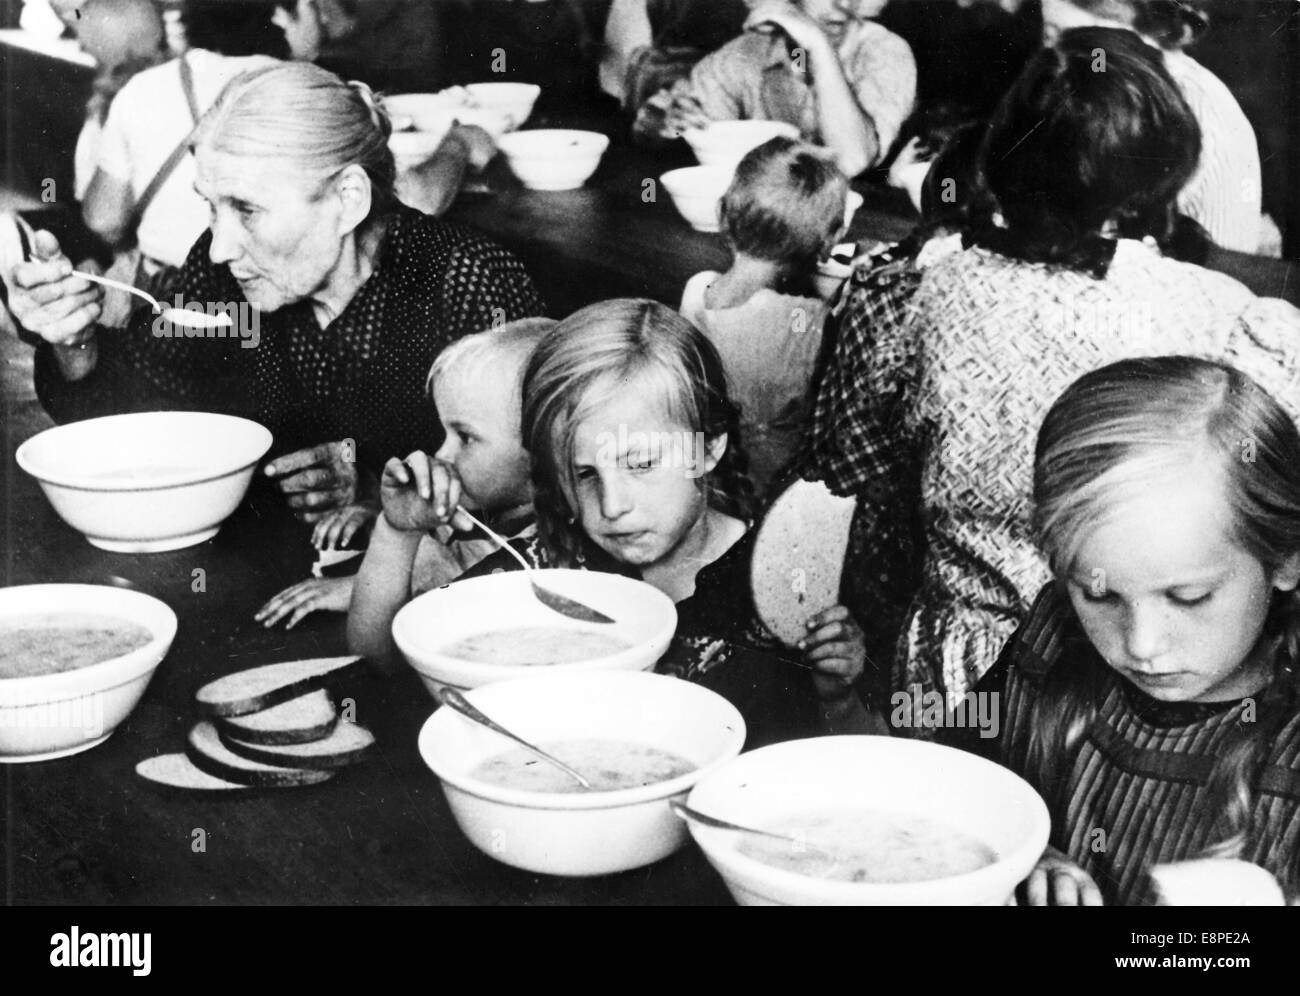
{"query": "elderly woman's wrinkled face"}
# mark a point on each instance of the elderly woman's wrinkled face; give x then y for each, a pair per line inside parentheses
(281, 236)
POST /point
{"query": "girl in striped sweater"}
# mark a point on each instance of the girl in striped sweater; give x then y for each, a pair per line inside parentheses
(1152, 696)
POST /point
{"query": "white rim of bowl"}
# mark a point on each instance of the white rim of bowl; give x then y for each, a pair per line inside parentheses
(613, 799)
(163, 482)
(784, 879)
(32, 683)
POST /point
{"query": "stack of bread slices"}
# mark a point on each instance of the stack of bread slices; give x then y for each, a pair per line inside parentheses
(276, 726)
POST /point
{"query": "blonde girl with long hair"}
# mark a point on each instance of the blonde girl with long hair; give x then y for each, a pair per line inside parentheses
(1152, 696)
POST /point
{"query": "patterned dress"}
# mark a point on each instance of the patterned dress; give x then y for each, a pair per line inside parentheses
(1133, 793)
(944, 405)
(362, 377)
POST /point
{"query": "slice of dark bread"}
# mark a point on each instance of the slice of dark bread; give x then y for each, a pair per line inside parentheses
(177, 771)
(209, 754)
(261, 688)
(347, 744)
(299, 721)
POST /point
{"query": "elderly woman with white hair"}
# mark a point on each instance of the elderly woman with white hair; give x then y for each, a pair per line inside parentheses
(346, 294)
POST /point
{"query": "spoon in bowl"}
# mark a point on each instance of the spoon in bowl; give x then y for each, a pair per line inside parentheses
(451, 697)
(177, 316)
(552, 600)
(690, 815)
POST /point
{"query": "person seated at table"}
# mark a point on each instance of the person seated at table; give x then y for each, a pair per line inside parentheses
(782, 213)
(821, 65)
(342, 296)
(637, 470)
(474, 386)
(1225, 192)
(1064, 273)
(1151, 696)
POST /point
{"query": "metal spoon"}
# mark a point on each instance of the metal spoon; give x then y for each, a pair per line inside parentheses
(453, 698)
(177, 316)
(690, 815)
(551, 599)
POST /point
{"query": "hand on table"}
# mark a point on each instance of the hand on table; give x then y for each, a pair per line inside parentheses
(420, 493)
(48, 301)
(317, 480)
(479, 145)
(312, 595)
(1058, 881)
(684, 112)
(335, 529)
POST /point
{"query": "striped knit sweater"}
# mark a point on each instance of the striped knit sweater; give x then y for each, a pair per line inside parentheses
(1133, 792)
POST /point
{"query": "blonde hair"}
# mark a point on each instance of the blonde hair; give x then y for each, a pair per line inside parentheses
(499, 352)
(605, 351)
(785, 203)
(1105, 440)
(307, 115)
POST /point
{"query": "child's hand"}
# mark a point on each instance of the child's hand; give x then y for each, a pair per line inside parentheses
(1058, 881)
(685, 112)
(338, 527)
(836, 649)
(312, 595)
(420, 492)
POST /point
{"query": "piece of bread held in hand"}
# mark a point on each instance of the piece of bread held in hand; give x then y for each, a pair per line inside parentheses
(798, 558)
(261, 688)
(301, 720)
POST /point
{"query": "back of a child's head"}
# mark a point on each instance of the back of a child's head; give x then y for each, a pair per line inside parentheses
(602, 355)
(785, 203)
(495, 355)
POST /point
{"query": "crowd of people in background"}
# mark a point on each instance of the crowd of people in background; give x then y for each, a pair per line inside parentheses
(1037, 400)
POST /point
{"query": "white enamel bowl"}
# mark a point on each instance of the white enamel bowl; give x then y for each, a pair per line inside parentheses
(53, 715)
(580, 833)
(553, 158)
(146, 482)
(907, 777)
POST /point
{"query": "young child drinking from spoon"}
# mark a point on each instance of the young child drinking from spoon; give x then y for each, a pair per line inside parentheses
(637, 470)
(1152, 696)
(415, 544)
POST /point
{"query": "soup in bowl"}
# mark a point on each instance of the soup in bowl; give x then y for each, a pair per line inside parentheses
(493, 628)
(146, 482)
(74, 661)
(876, 821)
(641, 739)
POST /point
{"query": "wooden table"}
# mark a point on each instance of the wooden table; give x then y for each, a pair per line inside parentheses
(86, 829)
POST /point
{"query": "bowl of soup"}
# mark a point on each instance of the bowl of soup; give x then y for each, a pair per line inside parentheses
(640, 739)
(725, 143)
(493, 628)
(146, 482)
(553, 158)
(74, 661)
(872, 821)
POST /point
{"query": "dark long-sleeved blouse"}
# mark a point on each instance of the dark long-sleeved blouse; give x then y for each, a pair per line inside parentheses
(361, 377)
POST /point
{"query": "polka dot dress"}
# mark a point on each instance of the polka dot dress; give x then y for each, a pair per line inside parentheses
(361, 377)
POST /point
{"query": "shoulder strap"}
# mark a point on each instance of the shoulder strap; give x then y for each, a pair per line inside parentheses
(177, 154)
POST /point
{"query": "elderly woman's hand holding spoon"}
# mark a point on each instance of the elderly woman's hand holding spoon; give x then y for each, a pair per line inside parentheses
(48, 300)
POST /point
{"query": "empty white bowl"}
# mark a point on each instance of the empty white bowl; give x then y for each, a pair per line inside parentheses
(697, 193)
(53, 715)
(146, 482)
(723, 143)
(644, 617)
(553, 158)
(906, 777)
(435, 113)
(580, 833)
(513, 100)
